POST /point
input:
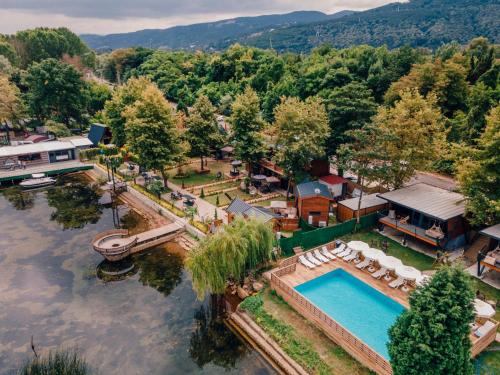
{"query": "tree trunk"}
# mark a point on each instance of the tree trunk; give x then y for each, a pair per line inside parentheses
(202, 165)
(164, 176)
(288, 188)
(358, 213)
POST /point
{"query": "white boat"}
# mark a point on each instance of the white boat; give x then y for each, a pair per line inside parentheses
(37, 180)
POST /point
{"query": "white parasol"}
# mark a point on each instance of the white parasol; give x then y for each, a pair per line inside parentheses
(422, 280)
(358, 245)
(389, 262)
(483, 309)
(372, 254)
(408, 273)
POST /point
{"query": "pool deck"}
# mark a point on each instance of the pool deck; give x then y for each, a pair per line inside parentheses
(302, 275)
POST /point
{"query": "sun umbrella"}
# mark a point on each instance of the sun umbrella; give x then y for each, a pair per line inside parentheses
(483, 309)
(236, 163)
(259, 177)
(372, 254)
(357, 245)
(389, 262)
(421, 280)
(408, 273)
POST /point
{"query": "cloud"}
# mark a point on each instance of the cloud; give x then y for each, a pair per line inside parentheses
(106, 16)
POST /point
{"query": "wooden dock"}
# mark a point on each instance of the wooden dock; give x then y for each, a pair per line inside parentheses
(48, 169)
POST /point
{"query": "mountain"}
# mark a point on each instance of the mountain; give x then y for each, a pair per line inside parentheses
(419, 23)
(204, 35)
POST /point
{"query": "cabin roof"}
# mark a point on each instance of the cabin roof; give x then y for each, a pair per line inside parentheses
(429, 200)
(332, 179)
(239, 207)
(312, 189)
(34, 148)
(96, 133)
(493, 231)
(368, 200)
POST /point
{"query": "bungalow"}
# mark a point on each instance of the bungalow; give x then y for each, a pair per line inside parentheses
(242, 208)
(37, 153)
(489, 257)
(427, 213)
(313, 200)
(99, 133)
(348, 208)
(336, 184)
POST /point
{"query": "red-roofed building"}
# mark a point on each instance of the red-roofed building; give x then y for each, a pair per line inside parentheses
(336, 185)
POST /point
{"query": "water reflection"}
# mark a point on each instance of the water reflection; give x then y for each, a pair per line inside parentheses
(20, 199)
(212, 341)
(76, 203)
(116, 271)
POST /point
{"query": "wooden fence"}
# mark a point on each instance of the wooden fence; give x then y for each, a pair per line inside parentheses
(354, 346)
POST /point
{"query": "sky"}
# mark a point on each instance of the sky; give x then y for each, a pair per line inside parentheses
(115, 16)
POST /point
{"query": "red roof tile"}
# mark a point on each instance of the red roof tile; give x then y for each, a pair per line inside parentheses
(333, 179)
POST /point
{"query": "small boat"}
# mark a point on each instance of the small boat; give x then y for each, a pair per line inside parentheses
(37, 180)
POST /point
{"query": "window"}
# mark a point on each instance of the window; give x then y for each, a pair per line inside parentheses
(314, 213)
(30, 157)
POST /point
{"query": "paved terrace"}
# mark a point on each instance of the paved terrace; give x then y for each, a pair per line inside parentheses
(49, 169)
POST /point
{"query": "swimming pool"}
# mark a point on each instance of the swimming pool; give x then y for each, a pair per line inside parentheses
(359, 308)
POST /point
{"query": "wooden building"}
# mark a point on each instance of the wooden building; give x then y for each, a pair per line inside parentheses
(313, 201)
(429, 214)
(348, 208)
(336, 184)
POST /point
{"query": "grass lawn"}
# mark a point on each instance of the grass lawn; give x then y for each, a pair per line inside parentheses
(268, 202)
(195, 179)
(408, 256)
(491, 359)
(224, 200)
(302, 341)
(225, 185)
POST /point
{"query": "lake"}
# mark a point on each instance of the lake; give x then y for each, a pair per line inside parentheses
(54, 287)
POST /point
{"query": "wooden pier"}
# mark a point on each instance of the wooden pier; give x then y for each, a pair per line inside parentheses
(53, 169)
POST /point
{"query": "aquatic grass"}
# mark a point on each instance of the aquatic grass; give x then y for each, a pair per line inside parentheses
(60, 362)
(298, 348)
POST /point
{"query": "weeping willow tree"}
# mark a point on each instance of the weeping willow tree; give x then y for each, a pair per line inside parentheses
(229, 254)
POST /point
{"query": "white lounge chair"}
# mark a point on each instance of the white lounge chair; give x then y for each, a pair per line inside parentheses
(306, 263)
(339, 249)
(364, 264)
(313, 260)
(353, 255)
(381, 272)
(327, 254)
(484, 329)
(320, 256)
(344, 253)
(397, 283)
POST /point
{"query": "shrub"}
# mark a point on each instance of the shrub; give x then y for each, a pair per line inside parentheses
(60, 362)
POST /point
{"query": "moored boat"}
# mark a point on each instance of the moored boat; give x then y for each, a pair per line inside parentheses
(37, 180)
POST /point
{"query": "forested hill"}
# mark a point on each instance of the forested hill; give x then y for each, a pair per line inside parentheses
(203, 35)
(419, 23)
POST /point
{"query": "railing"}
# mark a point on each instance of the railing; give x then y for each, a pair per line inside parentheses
(285, 270)
(347, 340)
(118, 233)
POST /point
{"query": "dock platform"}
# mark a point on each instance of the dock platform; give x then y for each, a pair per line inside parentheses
(48, 169)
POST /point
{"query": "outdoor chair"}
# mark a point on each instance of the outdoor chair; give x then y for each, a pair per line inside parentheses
(484, 329)
(344, 253)
(339, 249)
(362, 265)
(381, 272)
(397, 283)
(320, 256)
(327, 254)
(352, 256)
(306, 263)
(313, 260)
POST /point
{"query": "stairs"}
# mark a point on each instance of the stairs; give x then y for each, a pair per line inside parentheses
(187, 242)
(477, 245)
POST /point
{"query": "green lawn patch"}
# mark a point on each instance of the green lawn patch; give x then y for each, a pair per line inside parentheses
(408, 256)
(192, 178)
(224, 199)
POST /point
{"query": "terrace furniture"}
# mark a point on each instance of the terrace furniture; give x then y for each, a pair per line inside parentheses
(327, 254)
(404, 220)
(306, 263)
(364, 264)
(397, 283)
(381, 272)
(339, 249)
(313, 260)
(422, 280)
(353, 255)
(484, 329)
(344, 253)
(321, 257)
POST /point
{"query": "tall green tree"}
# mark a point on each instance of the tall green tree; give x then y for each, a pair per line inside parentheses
(114, 108)
(349, 107)
(417, 135)
(432, 337)
(230, 253)
(56, 91)
(247, 125)
(301, 132)
(11, 105)
(151, 132)
(203, 132)
(479, 174)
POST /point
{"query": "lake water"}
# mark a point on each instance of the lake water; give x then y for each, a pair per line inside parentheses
(55, 288)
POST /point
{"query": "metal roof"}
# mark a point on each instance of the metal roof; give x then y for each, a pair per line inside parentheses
(77, 141)
(96, 133)
(493, 231)
(239, 207)
(370, 200)
(333, 179)
(35, 148)
(312, 189)
(432, 201)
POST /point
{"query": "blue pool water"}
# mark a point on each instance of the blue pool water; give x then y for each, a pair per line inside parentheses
(359, 308)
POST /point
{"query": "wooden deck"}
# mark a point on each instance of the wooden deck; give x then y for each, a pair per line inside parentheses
(409, 229)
